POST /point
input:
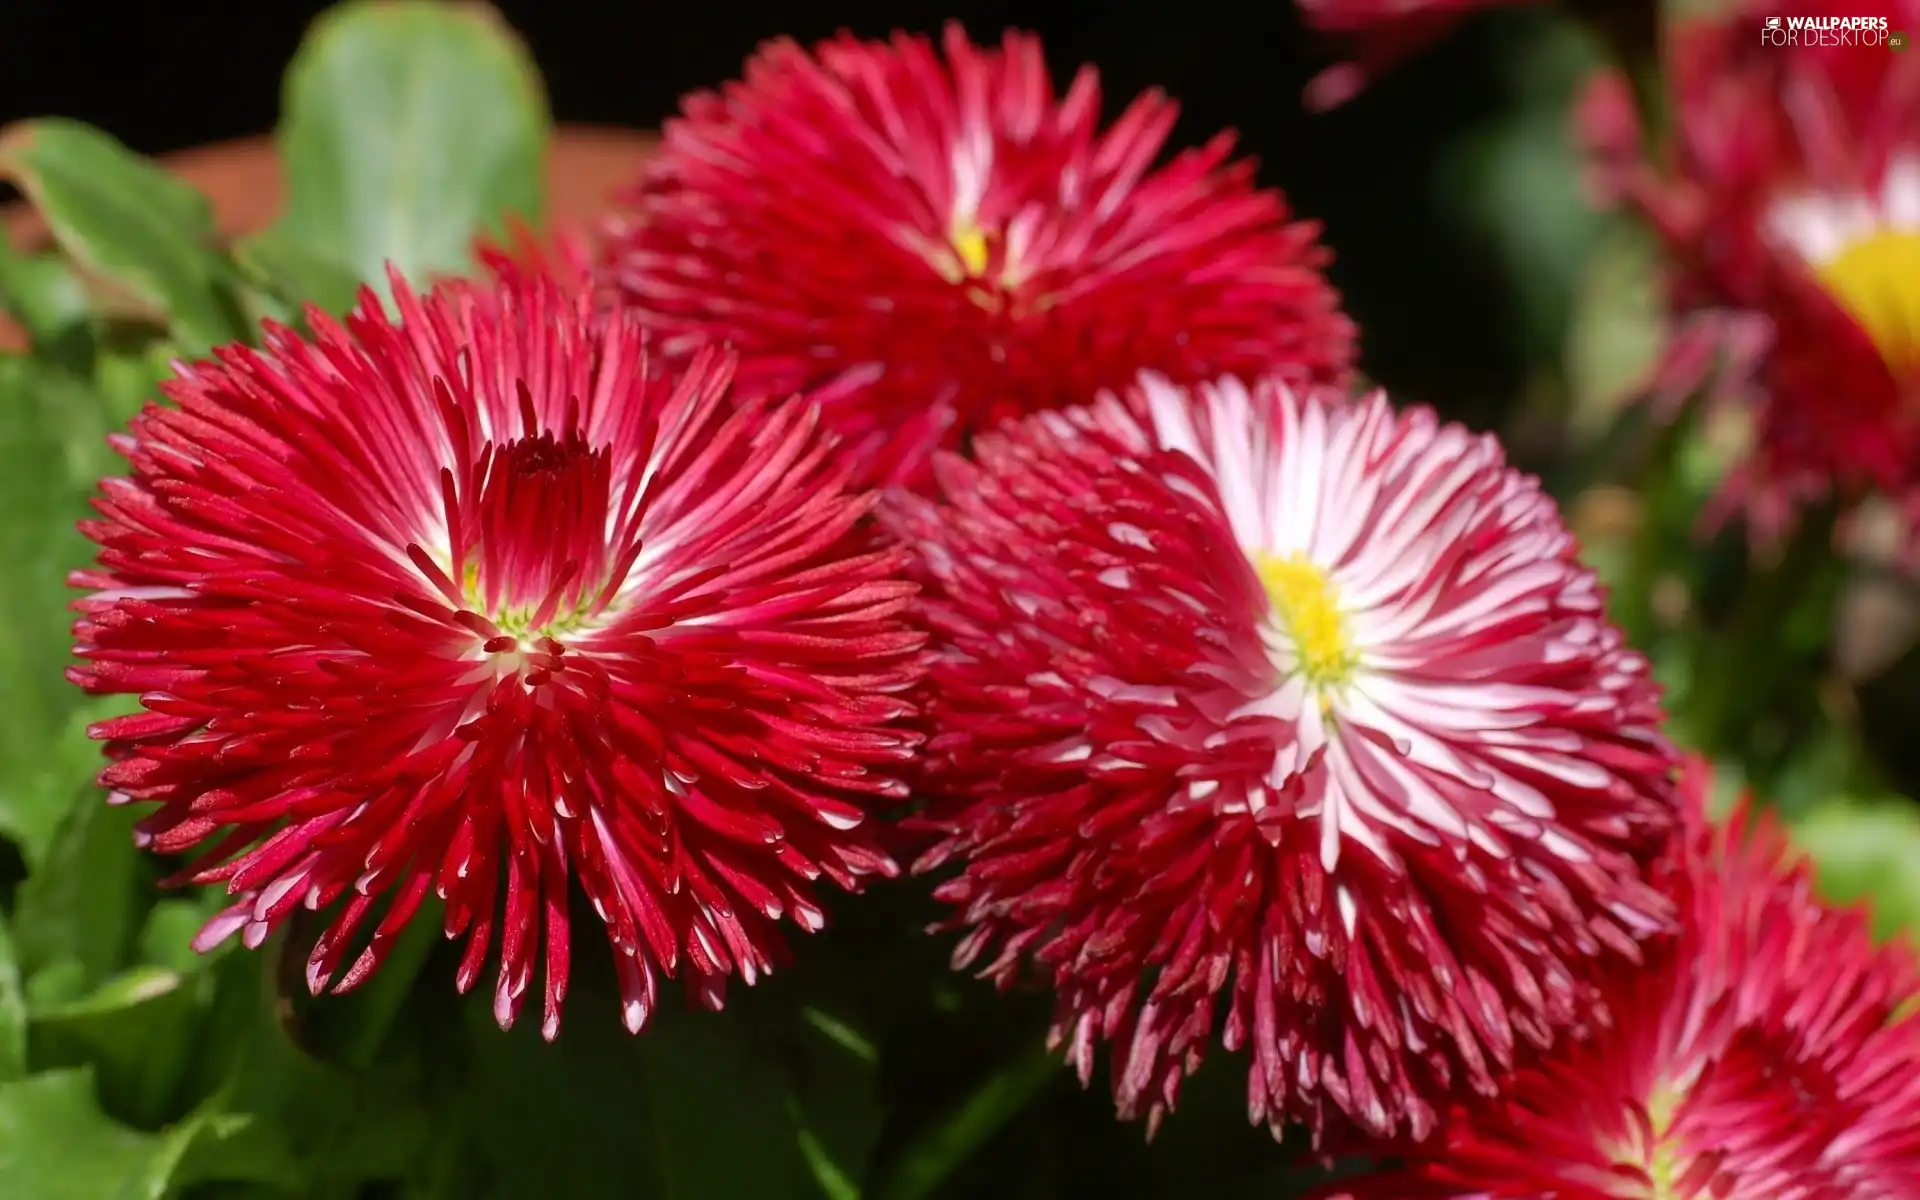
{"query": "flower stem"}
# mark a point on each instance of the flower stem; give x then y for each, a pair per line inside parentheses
(944, 1146)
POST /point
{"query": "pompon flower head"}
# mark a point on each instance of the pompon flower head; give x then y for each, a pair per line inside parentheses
(1764, 1054)
(473, 602)
(1789, 191)
(1379, 34)
(933, 242)
(1302, 702)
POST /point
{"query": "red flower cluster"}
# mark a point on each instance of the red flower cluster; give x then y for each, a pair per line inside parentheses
(1234, 692)
(1764, 1054)
(932, 243)
(1301, 701)
(473, 603)
(1380, 34)
(1791, 193)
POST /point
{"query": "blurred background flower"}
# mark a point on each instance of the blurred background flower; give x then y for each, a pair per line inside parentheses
(1378, 34)
(1789, 187)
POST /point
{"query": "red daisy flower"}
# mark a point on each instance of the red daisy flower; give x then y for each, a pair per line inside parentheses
(933, 244)
(1791, 191)
(1252, 691)
(1763, 1055)
(1381, 34)
(472, 602)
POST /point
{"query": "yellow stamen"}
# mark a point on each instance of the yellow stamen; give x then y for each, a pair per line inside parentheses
(1877, 280)
(1308, 606)
(516, 621)
(970, 243)
(1666, 1167)
(1665, 1172)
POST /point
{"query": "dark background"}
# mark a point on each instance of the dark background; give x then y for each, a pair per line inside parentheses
(1433, 304)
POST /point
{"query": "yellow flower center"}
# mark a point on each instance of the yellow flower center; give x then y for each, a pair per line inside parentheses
(517, 620)
(1666, 1167)
(970, 243)
(1308, 606)
(1877, 280)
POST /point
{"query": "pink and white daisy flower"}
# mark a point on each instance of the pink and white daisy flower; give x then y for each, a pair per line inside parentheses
(1238, 689)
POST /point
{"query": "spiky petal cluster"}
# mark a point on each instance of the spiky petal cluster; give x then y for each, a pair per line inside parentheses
(935, 242)
(473, 603)
(1379, 34)
(1764, 1054)
(1308, 704)
(1790, 193)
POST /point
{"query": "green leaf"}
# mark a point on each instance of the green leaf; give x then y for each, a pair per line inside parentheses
(239, 1150)
(141, 1029)
(333, 1128)
(124, 382)
(63, 981)
(39, 501)
(53, 448)
(137, 1030)
(1868, 850)
(291, 275)
(85, 904)
(56, 1144)
(41, 792)
(167, 939)
(407, 129)
(128, 224)
(13, 1011)
(42, 293)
